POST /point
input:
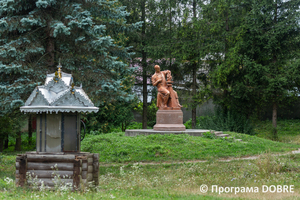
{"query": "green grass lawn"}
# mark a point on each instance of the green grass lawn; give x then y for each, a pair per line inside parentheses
(122, 177)
(116, 147)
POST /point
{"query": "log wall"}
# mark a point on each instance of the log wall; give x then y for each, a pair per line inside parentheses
(71, 168)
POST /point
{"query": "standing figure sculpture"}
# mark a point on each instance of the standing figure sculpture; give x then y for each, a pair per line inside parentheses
(166, 97)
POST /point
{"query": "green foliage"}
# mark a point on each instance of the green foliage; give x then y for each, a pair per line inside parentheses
(220, 121)
(188, 123)
(151, 112)
(116, 147)
(260, 64)
(118, 128)
(110, 116)
(7, 165)
(288, 130)
(230, 121)
(11, 124)
(7, 127)
(88, 36)
(26, 145)
(156, 150)
(209, 135)
(135, 125)
(190, 53)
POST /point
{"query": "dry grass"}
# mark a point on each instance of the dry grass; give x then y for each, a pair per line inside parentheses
(185, 179)
(182, 181)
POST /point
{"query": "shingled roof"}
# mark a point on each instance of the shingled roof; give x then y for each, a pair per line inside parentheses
(58, 95)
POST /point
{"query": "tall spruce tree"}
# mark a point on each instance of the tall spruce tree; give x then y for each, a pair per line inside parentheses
(262, 67)
(190, 50)
(224, 19)
(145, 41)
(86, 35)
(137, 10)
(168, 40)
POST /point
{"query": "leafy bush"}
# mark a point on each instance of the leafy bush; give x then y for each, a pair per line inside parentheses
(151, 112)
(26, 144)
(117, 129)
(112, 117)
(209, 135)
(188, 123)
(220, 121)
(135, 125)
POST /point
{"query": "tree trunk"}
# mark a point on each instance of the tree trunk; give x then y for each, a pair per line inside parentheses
(194, 103)
(274, 115)
(6, 141)
(1, 143)
(227, 30)
(50, 48)
(274, 121)
(30, 129)
(145, 96)
(194, 114)
(50, 51)
(18, 141)
(144, 65)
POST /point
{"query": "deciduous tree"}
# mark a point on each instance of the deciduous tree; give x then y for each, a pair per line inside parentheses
(262, 65)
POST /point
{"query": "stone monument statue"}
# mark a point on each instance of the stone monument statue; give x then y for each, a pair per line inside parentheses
(167, 97)
(169, 117)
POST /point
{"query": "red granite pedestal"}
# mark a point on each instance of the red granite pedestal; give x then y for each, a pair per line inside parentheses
(169, 119)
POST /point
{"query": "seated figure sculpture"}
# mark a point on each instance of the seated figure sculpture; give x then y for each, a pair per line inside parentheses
(167, 98)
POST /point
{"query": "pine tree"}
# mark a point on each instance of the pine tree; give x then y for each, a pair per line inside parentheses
(262, 67)
(167, 37)
(142, 40)
(191, 50)
(224, 19)
(88, 36)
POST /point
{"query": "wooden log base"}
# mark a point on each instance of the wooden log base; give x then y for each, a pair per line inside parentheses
(50, 166)
(51, 182)
(74, 168)
(50, 173)
(50, 158)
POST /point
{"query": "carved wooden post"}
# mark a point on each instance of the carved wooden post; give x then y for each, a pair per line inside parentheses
(96, 169)
(77, 174)
(21, 170)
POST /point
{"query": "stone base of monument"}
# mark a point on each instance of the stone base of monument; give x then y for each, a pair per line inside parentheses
(192, 132)
(169, 120)
(75, 168)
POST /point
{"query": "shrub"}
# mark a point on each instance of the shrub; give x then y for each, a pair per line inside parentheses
(209, 135)
(151, 112)
(111, 117)
(220, 121)
(188, 123)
